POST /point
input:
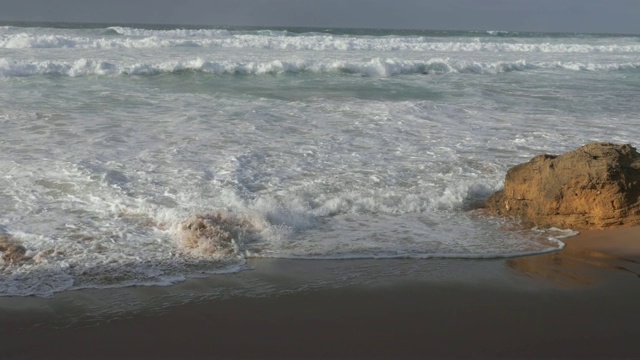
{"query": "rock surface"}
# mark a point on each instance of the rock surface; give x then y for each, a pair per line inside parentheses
(594, 187)
(12, 252)
(214, 234)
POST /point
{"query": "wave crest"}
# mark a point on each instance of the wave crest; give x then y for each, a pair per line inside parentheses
(118, 37)
(377, 67)
(128, 31)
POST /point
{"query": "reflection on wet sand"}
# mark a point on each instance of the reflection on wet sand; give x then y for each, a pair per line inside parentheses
(581, 261)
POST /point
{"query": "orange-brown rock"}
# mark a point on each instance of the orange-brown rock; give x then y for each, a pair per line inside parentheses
(596, 186)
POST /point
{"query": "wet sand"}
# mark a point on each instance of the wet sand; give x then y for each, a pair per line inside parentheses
(579, 302)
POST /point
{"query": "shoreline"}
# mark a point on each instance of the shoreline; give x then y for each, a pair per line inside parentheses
(592, 258)
(577, 302)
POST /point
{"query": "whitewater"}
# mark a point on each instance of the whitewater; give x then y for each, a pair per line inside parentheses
(313, 143)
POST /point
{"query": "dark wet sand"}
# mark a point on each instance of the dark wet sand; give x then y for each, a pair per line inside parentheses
(580, 302)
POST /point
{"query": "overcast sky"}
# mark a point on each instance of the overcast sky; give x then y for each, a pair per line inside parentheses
(608, 16)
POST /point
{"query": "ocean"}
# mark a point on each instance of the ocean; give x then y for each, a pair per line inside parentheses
(316, 143)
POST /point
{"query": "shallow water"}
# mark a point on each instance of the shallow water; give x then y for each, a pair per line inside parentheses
(264, 278)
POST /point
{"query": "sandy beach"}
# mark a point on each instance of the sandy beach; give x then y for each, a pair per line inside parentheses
(579, 302)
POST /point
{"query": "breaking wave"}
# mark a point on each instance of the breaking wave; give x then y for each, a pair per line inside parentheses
(377, 67)
(117, 38)
(127, 31)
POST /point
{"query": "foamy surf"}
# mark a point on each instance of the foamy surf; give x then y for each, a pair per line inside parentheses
(131, 38)
(221, 242)
(373, 67)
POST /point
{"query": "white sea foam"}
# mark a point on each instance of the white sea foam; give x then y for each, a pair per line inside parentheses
(140, 38)
(376, 67)
(112, 229)
(105, 239)
(127, 31)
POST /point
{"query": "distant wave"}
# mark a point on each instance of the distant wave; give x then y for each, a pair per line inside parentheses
(127, 31)
(500, 33)
(110, 32)
(205, 33)
(140, 38)
(376, 67)
(162, 30)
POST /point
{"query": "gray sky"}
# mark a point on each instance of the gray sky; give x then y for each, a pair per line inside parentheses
(608, 16)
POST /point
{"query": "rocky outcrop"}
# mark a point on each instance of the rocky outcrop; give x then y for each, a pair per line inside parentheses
(12, 252)
(214, 234)
(596, 186)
